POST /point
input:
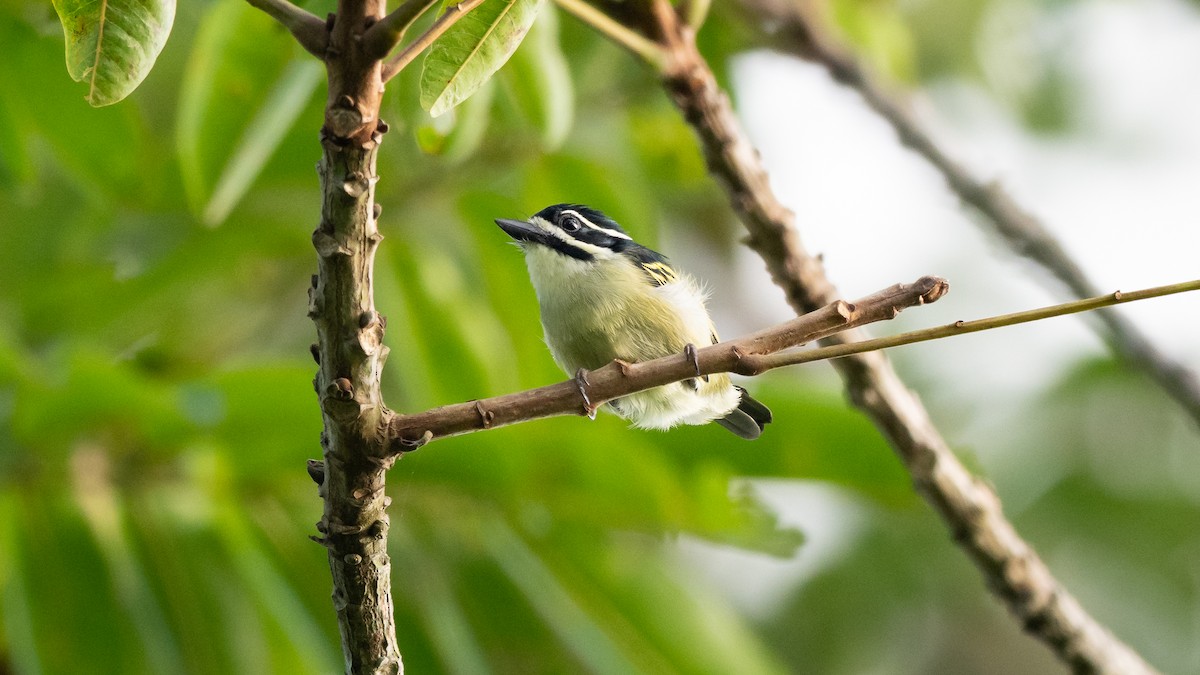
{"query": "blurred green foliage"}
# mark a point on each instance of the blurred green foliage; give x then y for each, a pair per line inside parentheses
(156, 404)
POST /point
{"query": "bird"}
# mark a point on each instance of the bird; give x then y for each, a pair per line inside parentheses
(605, 297)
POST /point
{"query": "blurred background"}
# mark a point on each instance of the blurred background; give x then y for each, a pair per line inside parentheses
(156, 405)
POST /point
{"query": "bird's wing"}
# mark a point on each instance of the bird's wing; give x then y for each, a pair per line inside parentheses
(654, 265)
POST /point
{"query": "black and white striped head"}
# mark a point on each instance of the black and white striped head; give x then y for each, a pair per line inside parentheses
(573, 230)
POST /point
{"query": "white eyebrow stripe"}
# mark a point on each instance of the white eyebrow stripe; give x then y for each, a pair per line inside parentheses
(605, 230)
(597, 251)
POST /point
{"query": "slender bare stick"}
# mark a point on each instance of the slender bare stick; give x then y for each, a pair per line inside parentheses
(755, 363)
(798, 30)
(969, 507)
(405, 56)
(649, 50)
(308, 30)
(382, 38)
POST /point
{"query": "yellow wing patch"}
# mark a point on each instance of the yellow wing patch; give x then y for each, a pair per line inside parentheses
(659, 272)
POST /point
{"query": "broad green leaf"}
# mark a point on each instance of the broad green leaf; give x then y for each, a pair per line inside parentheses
(540, 83)
(582, 633)
(231, 118)
(262, 136)
(15, 610)
(112, 44)
(103, 509)
(15, 162)
(474, 48)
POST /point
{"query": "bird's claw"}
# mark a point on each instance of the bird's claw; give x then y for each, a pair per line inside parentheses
(690, 353)
(582, 384)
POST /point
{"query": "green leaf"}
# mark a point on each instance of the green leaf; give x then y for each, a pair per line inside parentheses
(263, 134)
(229, 121)
(474, 48)
(580, 631)
(112, 44)
(540, 82)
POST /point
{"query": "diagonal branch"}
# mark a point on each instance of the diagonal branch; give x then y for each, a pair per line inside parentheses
(753, 364)
(969, 507)
(308, 30)
(382, 38)
(650, 51)
(798, 31)
(407, 432)
(406, 56)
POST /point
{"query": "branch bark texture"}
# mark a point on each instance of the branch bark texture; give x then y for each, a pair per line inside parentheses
(798, 30)
(968, 505)
(349, 338)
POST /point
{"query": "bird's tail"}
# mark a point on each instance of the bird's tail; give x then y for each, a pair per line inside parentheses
(748, 418)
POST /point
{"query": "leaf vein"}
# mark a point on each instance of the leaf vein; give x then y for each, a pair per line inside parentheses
(91, 97)
(482, 40)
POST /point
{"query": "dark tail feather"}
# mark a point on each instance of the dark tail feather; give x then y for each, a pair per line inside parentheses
(748, 419)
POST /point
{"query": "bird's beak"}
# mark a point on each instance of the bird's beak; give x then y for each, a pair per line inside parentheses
(521, 230)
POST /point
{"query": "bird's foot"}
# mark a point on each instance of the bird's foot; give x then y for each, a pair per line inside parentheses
(690, 353)
(582, 384)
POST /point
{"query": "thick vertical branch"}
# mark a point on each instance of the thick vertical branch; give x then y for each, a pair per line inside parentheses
(355, 85)
(350, 351)
(968, 505)
(349, 339)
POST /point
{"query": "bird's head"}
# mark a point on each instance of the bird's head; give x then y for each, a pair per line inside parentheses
(572, 230)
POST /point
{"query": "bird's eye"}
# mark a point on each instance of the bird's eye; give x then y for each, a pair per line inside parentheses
(569, 223)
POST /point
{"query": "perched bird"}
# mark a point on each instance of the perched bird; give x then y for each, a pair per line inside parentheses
(603, 296)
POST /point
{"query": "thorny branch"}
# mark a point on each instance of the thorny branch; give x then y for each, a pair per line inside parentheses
(349, 350)
(798, 30)
(967, 504)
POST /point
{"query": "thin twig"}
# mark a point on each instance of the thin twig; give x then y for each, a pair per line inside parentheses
(969, 507)
(405, 56)
(798, 31)
(649, 51)
(616, 380)
(308, 30)
(382, 38)
(792, 358)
